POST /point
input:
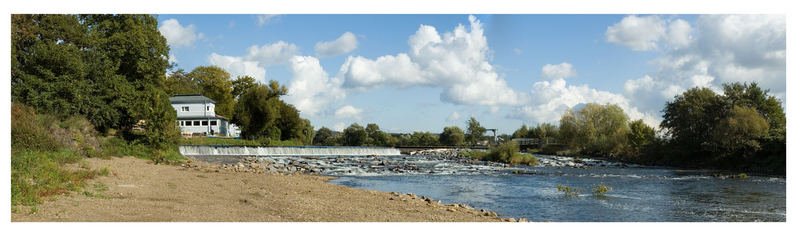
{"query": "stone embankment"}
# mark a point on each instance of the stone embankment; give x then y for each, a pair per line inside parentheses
(263, 166)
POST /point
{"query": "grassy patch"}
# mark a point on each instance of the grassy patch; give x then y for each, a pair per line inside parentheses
(472, 154)
(115, 146)
(36, 175)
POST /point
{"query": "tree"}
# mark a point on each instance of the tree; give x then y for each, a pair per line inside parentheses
(474, 131)
(354, 135)
(452, 136)
(99, 66)
(641, 135)
(522, 132)
(740, 132)
(424, 139)
(690, 119)
(214, 82)
(179, 82)
(596, 129)
(241, 84)
(258, 109)
(376, 137)
(324, 137)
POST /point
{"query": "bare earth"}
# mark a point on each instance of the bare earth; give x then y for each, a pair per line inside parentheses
(137, 191)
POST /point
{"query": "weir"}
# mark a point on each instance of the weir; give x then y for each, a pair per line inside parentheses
(219, 150)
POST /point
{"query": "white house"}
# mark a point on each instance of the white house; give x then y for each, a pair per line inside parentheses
(196, 116)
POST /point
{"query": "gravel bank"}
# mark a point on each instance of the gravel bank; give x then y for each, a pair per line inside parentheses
(139, 191)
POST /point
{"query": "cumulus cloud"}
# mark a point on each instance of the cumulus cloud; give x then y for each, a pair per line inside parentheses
(237, 66)
(344, 44)
(311, 89)
(453, 117)
(178, 35)
(638, 33)
(560, 71)
(172, 58)
(348, 111)
(271, 54)
(267, 18)
(456, 61)
(549, 99)
(718, 49)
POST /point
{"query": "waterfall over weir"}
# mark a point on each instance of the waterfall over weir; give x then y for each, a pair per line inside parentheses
(218, 150)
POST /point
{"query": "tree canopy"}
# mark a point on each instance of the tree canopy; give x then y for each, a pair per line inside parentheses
(474, 131)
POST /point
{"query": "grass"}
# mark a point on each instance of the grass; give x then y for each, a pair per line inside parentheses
(36, 175)
(505, 153)
(115, 146)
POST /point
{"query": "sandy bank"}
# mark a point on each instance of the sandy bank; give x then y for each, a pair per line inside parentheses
(138, 191)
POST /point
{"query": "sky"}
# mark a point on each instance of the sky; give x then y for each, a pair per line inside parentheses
(424, 72)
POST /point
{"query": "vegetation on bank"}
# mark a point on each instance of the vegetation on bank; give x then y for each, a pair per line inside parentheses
(504, 153)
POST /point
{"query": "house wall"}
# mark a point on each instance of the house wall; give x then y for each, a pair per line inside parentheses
(218, 128)
(195, 109)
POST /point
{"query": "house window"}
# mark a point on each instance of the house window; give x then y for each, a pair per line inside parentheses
(184, 108)
(181, 123)
(208, 108)
(187, 123)
(213, 122)
(205, 123)
(197, 123)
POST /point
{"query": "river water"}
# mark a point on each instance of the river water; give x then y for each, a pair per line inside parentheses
(638, 193)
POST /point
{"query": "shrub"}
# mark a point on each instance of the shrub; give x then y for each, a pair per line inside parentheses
(568, 191)
(600, 190)
(509, 153)
(28, 131)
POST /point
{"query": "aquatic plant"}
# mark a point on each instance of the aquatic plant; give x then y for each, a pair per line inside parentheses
(568, 191)
(600, 190)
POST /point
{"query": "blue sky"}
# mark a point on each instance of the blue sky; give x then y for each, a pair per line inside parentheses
(423, 72)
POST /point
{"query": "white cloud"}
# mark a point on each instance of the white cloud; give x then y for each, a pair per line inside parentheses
(271, 54)
(549, 99)
(176, 34)
(718, 49)
(311, 89)
(267, 18)
(680, 34)
(456, 61)
(638, 33)
(453, 117)
(348, 111)
(237, 66)
(560, 71)
(344, 44)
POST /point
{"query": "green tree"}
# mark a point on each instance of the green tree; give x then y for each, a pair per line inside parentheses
(690, 119)
(641, 135)
(96, 66)
(741, 132)
(324, 137)
(596, 129)
(179, 82)
(474, 131)
(257, 111)
(376, 137)
(354, 135)
(522, 132)
(214, 82)
(241, 84)
(424, 139)
(452, 136)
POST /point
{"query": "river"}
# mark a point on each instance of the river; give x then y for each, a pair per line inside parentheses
(637, 193)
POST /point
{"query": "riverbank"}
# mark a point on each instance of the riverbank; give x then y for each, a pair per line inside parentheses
(138, 191)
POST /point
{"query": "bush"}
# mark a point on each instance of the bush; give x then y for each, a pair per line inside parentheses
(28, 131)
(472, 154)
(568, 191)
(600, 190)
(509, 153)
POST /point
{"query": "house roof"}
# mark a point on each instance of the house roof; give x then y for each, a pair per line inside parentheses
(190, 98)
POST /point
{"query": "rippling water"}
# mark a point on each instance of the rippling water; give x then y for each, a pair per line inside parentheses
(638, 193)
